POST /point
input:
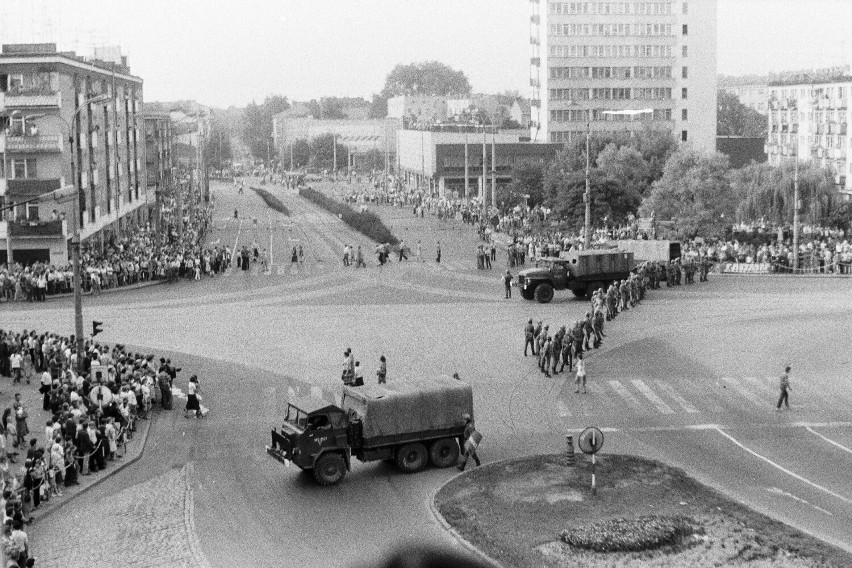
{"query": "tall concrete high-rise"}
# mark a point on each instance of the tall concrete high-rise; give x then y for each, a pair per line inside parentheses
(593, 57)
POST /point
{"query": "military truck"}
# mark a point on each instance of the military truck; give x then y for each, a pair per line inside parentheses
(582, 272)
(411, 423)
(654, 251)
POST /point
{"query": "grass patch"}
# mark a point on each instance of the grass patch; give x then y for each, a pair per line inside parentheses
(272, 201)
(368, 224)
(537, 512)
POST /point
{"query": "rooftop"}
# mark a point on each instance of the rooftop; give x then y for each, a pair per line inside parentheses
(34, 50)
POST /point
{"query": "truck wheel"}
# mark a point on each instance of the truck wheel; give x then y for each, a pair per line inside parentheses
(527, 294)
(411, 458)
(444, 452)
(543, 293)
(329, 469)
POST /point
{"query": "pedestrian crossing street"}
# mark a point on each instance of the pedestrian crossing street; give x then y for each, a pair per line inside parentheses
(685, 397)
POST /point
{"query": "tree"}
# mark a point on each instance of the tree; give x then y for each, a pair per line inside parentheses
(322, 153)
(301, 150)
(694, 193)
(735, 119)
(766, 192)
(427, 78)
(378, 107)
(217, 146)
(611, 202)
(256, 130)
(626, 166)
(527, 179)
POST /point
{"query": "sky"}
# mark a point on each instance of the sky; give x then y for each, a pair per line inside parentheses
(229, 52)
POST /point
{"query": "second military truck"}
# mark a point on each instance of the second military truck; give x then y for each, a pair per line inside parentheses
(412, 423)
(582, 272)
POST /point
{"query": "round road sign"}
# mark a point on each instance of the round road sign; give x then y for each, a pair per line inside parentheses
(590, 440)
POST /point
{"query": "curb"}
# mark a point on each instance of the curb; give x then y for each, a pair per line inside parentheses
(99, 479)
(110, 290)
(784, 276)
(454, 533)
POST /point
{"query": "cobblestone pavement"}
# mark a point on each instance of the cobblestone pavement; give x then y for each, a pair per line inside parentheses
(148, 525)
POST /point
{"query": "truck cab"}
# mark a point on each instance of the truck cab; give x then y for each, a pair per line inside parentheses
(314, 436)
(540, 282)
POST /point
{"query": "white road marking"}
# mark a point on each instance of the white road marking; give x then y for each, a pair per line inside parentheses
(673, 394)
(652, 396)
(621, 391)
(745, 393)
(237, 240)
(781, 468)
(829, 440)
(269, 221)
(563, 410)
(760, 385)
(778, 491)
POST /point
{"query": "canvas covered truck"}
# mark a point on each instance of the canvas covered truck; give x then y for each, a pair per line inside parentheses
(411, 423)
(582, 272)
(654, 251)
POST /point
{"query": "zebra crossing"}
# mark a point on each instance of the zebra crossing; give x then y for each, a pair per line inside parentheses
(288, 270)
(681, 397)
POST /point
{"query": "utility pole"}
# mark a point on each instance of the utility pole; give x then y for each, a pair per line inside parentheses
(291, 157)
(466, 173)
(796, 213)
(587, 197)
(334, 166)
(9, 258)
(493, 165)
(483, 193)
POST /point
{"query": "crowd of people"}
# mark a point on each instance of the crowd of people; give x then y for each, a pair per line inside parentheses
(570, 344)
(138, 255)
(88, 418)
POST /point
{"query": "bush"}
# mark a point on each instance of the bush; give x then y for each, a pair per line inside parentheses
(368, 224)
(272, 201)
(630, 535)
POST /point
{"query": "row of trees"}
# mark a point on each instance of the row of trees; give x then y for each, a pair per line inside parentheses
(698, 192)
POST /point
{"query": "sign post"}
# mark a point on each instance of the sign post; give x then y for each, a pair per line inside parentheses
(590, 442)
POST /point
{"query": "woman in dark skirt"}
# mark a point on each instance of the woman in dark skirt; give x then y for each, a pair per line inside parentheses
(192, 397)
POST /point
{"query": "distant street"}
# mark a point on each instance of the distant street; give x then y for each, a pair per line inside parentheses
(689, 376)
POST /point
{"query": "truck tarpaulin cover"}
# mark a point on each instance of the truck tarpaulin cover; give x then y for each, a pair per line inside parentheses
(414, 406)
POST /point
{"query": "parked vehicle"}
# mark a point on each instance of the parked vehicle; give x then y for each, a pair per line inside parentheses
(412, 423)
(654, 251)
(582, 272)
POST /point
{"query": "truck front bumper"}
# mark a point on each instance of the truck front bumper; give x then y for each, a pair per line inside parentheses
(278, 455)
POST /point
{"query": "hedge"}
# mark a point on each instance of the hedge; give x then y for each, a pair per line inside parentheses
(272, 201)
(368, 224)
(630, 535)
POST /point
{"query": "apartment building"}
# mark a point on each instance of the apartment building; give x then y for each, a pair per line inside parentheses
(810, 119)
(753, 95)
(158, 163)
(71, 121)
(590, 59)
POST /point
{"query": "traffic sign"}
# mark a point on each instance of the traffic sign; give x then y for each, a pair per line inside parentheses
(590, 441)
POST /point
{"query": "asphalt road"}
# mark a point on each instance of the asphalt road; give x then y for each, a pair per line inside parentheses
(689, 376)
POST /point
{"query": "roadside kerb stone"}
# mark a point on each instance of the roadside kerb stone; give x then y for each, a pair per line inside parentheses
(453, 532)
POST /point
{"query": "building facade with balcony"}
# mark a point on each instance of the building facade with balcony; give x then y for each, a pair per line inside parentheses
(46, 144)
(159, 165)
(593, 57)
(811, 121)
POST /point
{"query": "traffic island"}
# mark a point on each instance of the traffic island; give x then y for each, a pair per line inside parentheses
(539, 511)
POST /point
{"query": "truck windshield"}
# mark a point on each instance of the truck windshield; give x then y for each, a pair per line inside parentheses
(296, 417)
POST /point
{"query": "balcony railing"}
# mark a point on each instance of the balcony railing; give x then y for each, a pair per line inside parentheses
(50, 100)
(34, 229)
(38, 143)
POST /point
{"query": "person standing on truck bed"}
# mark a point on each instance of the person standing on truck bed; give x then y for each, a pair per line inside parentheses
(382, 373)
(471, 439)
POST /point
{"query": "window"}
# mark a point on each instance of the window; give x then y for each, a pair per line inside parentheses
(683, 135)
(683, 114)
(685, 8)
(684, 73)
(685, 29)
(24, 168)
(32, 211)
(683, 93)
(683, 51)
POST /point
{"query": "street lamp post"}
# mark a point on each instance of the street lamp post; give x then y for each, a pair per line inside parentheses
(587, 197)
(796, 213)
(75, 240)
